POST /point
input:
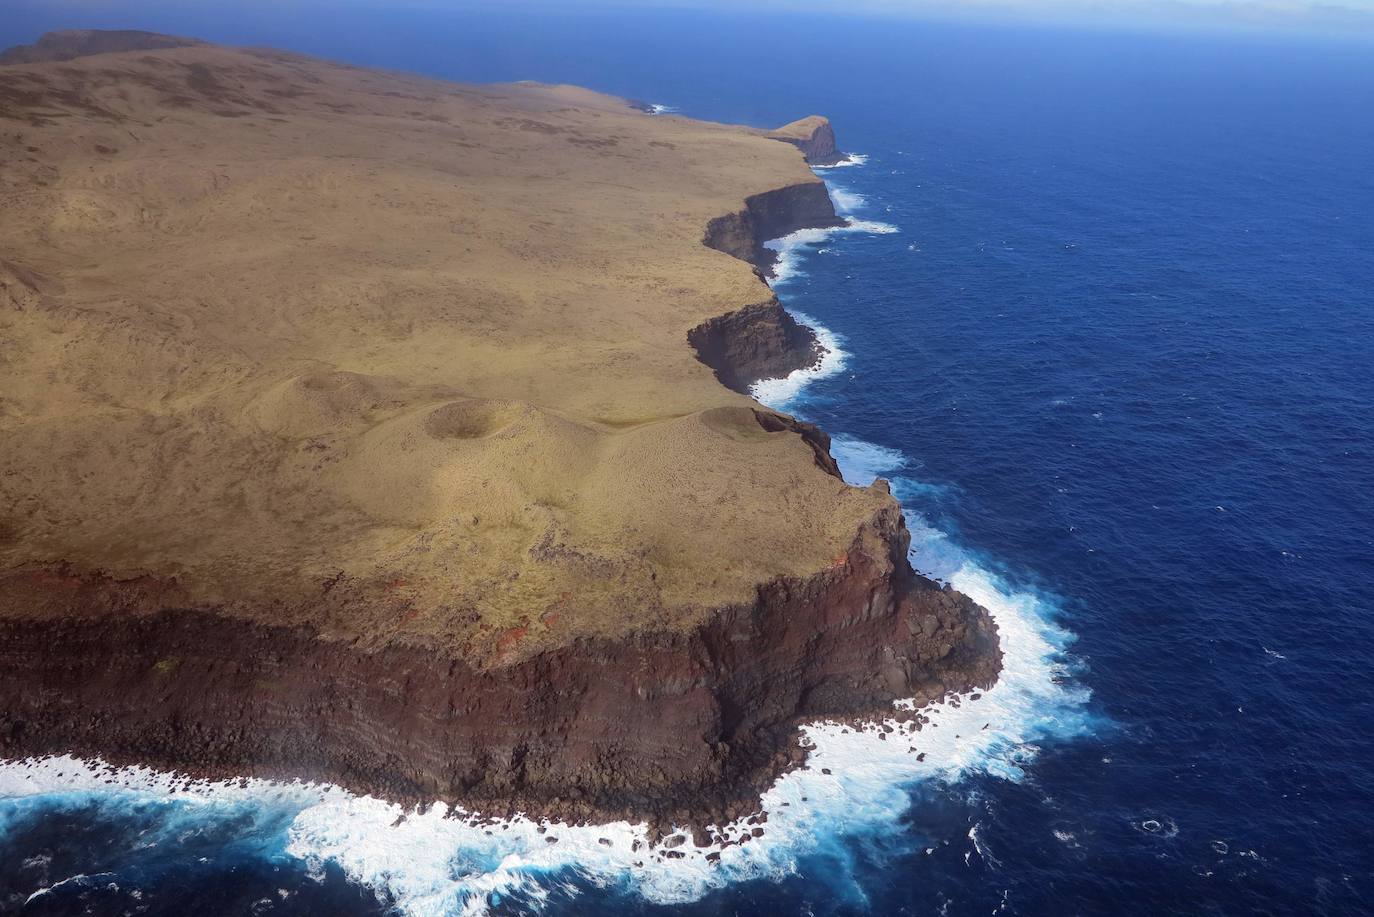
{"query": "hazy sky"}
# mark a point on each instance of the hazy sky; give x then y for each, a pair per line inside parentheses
(1331, 16)
(1325, 15)
(1336, 16)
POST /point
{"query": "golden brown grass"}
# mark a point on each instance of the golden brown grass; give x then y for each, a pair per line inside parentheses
(401, 359)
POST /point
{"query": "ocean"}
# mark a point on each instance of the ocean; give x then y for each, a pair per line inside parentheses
(1105, 318)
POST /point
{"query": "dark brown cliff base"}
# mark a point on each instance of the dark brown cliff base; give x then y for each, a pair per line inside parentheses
(762, 341)
(669, 727)
(771, 215)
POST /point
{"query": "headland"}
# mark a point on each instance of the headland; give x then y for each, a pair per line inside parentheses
(395, 433)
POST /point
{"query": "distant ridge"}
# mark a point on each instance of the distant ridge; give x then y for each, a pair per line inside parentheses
(70, 44)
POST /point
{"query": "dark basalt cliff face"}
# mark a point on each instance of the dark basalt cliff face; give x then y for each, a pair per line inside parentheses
(814, 436)
(684, 726)
(771, 215)
(762, 341)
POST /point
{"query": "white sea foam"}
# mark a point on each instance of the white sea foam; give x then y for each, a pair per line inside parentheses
(435, 864)
(996, 734)
(440, 863)
(845, 201)
(850, 159)
(783, 390)
(657, 109)
(862, 462)
(791, 248)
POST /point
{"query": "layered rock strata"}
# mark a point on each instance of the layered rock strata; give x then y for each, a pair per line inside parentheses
(666, 726)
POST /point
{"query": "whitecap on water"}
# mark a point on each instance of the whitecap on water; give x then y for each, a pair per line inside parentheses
(850, 159)
(845, 201)
(996, 734)
(791, 247)
(862, 462)
(855, 782)
(1162, 827)
(441, 863)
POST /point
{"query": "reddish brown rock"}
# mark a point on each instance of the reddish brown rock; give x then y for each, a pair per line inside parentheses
(650, 726)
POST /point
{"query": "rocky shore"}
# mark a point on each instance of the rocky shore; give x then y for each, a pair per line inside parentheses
(604, 602)
(676, 728)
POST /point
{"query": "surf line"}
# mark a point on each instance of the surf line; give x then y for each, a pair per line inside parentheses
(864, 774)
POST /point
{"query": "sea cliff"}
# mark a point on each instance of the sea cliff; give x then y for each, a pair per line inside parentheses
(685, 728)
(393, 474)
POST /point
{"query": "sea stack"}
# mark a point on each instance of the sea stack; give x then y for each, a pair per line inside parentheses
(396, 433)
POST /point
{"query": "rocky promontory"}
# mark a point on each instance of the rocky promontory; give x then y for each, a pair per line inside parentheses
(393, 432)
(814, 136)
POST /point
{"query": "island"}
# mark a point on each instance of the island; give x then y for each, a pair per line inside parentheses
(365, 428)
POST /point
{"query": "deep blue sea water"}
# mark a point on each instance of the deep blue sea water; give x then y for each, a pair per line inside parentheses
(1118, 359)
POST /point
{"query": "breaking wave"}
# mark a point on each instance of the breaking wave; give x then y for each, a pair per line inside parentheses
(792, 247)
(850, 159)
(786, 388)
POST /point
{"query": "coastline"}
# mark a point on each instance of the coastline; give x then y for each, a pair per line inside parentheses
(160, 667)
(873, 597)
(241, 696)
(853, 781)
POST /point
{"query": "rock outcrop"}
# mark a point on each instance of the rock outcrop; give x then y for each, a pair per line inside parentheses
(761, 341)
(812, 135)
